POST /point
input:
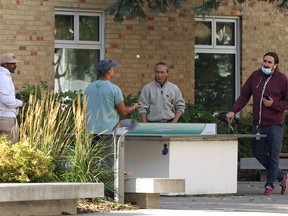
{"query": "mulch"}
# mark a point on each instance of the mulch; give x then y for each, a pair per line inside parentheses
(248, 175)
(101, 205)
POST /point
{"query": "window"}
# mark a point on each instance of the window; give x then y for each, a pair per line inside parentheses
(78, 47)
(217, 76)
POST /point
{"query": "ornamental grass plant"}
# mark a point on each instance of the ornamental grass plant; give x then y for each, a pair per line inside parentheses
(45, 125)
(58, 129)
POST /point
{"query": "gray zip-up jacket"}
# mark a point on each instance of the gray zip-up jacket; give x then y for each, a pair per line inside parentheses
(160, 103)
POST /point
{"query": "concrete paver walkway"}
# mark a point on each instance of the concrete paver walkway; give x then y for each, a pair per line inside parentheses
(249, 200)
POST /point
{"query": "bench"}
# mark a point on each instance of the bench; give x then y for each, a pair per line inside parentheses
(145, 192)
(253, 163)
(27, 199)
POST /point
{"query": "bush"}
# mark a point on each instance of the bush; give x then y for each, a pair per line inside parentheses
(21, 163)
(55, 124)
(196, 113)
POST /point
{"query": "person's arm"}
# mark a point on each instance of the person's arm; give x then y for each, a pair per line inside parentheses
(7, 94)
(123, 110)
(280, 104)
(144, 118)
(245, 93)
(177, 116)
(179, 106)
(230, 116)
(144, 101)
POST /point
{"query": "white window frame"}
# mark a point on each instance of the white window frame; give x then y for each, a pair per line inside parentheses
(213, 48)
(76, 44)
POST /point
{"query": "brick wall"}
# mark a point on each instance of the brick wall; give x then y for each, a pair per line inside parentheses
(161, 38)
(27, 29)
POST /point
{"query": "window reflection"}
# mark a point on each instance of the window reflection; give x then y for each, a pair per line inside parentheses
(89, 28)
(225, 34)
(214, 80)
(64, 27)
(203, 33)
(74, 69)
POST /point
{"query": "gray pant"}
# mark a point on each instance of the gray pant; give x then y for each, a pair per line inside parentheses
(10, 127)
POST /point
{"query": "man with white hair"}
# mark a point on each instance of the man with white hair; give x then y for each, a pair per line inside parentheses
(9, 104)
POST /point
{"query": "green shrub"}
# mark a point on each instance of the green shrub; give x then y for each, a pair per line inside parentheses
(55, 124)
(21, 163)
(128, 101)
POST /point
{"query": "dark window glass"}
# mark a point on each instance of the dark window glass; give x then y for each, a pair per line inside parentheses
(88, 28)
(214, 80)
(64, 27)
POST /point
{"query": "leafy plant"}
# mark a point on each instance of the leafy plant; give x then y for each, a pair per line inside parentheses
(129, 100)
(135, 8)
(35, 90)
(21, 163)
(139, 8)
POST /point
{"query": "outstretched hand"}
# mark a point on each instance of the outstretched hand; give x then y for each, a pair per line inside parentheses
(230, 116)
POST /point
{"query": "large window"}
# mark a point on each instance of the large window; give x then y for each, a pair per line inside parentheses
(216, 62)
(78, 47)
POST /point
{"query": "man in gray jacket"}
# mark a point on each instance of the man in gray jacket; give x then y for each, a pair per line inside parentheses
(161, 100)
(9, 104)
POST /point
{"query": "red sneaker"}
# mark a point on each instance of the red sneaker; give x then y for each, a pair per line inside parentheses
(283, 183)
(268, 190)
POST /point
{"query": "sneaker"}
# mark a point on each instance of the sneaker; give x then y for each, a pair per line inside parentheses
(283, 183)
(268, 190)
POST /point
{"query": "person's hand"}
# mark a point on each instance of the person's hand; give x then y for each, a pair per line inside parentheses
(230, 116)
(19, 97)
(267, 102)
(136, 106)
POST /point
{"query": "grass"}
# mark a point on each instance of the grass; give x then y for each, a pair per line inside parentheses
(59, 130)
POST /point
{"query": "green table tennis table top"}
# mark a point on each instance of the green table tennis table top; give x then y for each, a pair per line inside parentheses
(170, 130)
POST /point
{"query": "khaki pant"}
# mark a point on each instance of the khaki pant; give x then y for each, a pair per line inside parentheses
(10, 127)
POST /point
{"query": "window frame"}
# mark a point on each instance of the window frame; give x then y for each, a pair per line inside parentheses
(220, 49)
(76, 14)
(76, 43)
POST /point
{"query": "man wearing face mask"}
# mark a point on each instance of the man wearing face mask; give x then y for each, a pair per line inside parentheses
(9, 104)
(269, 88)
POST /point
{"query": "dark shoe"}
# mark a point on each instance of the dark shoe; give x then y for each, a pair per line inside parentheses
(268, 190)
(283, 183)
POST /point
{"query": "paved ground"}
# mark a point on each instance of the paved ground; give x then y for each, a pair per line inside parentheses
(249, 200)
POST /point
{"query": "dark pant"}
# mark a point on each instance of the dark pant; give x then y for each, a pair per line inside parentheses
(266, 150)
(103, 138)
(104, 144)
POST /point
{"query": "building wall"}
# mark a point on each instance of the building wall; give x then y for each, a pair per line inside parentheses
(161, 38)
(28, 31)
(262, 30)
